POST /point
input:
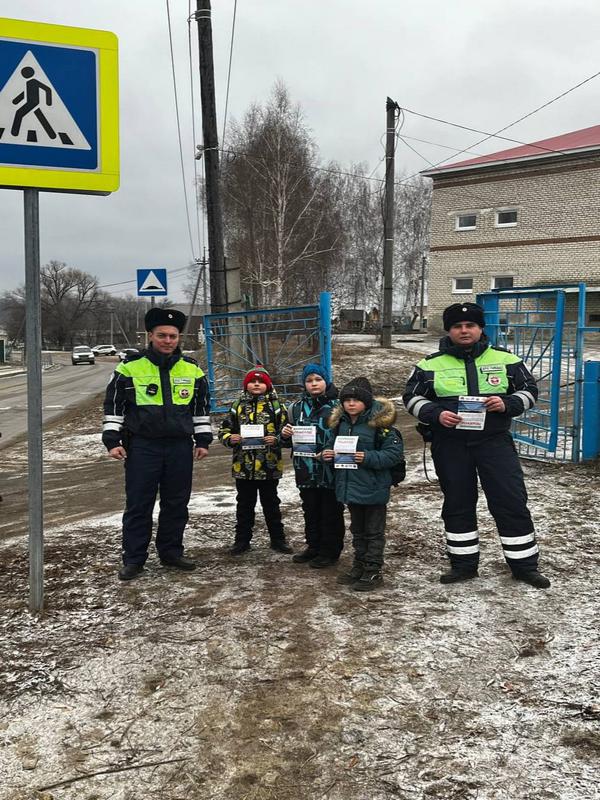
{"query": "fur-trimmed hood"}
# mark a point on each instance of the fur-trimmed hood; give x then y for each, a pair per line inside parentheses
(382, 414)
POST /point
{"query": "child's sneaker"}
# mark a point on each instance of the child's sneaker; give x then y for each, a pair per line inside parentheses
(352, 576)
(369, 580)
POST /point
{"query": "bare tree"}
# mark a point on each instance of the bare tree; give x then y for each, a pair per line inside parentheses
(67, 295)
(281, 223)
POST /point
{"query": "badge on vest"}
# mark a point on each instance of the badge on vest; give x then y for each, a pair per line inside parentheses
(494, 380)
(184, 393)
(179, 381)
(152, 389)
(491, 368)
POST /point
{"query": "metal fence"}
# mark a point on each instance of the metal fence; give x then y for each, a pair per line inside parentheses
(545, 326)
(281, 339)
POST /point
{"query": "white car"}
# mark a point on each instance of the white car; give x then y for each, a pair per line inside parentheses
(126, 352)
(82, 354)
(104, 350)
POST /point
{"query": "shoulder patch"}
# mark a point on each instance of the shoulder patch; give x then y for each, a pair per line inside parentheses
(433, 355)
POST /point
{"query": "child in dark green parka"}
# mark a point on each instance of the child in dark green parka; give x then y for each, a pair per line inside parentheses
(366, 489)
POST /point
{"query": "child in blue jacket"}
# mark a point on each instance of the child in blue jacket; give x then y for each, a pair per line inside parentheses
(323, 514)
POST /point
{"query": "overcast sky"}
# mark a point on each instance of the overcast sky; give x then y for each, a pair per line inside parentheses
(481, 64)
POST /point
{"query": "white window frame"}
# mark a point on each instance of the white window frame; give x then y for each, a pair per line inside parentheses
(459, 227)
(499, 211)
(462, 278)
(495, 277)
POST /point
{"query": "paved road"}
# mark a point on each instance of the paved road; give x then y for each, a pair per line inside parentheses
(63, 387)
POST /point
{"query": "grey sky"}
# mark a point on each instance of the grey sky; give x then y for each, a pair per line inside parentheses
(480, 64)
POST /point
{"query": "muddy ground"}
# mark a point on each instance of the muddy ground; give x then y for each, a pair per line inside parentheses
(258, 679)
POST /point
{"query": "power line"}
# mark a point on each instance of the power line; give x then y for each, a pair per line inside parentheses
(199, 224)
(229, 71)
(510, 125)
(185, 196)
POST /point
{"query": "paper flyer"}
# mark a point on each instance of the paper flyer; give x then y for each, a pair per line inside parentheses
(345, 449)
(304, 440)
(252, 437)
(472, 412)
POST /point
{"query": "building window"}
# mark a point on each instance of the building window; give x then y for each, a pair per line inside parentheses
(506, 218)
(462, 285)
(594, 319)
(503, 282)
(466, 222)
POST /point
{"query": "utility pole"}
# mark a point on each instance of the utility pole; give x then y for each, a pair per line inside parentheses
(224, 279)
(111, 324)
(388, 225)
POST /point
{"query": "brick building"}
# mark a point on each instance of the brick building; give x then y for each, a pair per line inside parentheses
(525, 216)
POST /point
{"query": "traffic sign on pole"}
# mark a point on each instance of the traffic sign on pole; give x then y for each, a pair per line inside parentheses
(152, 282)
(58, 108)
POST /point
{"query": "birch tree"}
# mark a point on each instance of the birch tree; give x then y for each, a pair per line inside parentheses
(281, 223)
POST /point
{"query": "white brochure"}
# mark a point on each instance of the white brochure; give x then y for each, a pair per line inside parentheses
(304, 440)
(252, 437)
(472, 412)
(345, 450)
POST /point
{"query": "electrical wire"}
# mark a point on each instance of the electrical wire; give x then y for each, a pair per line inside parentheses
(229, 71)
(185, 195)
(199, 224)
(512, 124)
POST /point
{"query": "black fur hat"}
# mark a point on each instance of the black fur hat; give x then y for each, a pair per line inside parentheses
(164, 316)
(463, 312)
(359, 389)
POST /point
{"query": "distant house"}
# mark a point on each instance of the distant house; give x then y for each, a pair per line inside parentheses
(529, 215)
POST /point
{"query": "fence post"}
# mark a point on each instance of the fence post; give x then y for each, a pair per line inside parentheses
(590, 445)
(325, 331)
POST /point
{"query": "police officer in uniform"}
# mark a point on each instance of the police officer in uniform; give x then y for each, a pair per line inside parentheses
(467, 364)
(156, 420)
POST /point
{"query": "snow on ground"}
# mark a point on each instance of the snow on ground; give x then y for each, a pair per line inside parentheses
(258, 679)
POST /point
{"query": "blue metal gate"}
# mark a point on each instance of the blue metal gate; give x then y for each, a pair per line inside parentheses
(281, 339)
(545, 326)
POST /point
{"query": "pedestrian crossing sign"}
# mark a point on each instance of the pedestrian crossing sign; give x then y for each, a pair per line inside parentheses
(58, 108)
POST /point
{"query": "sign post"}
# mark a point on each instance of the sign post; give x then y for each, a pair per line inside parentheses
(59, 131)
(33, 340)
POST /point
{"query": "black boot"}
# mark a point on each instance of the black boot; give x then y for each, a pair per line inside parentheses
(533, 578)
(321, 562)
(306, 555)
(238, 548)
(457, 575)
(130, 571)
(281, 546)
(185, 564)
(370, 579)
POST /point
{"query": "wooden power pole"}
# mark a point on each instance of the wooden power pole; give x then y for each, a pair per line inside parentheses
(388, 225)
(224, 279)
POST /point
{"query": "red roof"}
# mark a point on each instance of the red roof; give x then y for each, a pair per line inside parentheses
(585, 139)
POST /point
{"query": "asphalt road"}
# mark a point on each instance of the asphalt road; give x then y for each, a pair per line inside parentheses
(63, 387)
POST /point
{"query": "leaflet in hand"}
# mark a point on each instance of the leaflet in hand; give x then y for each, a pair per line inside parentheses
(345, 451)
(252, 437)
(472, 412)
(304, 440)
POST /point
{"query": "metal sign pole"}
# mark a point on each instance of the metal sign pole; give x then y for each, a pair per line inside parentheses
(33, 341)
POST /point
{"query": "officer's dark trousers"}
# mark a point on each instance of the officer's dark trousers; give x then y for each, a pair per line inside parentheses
(247, 493)
(367, 524)
(457, 463)
(323, 522)
(154, 464)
